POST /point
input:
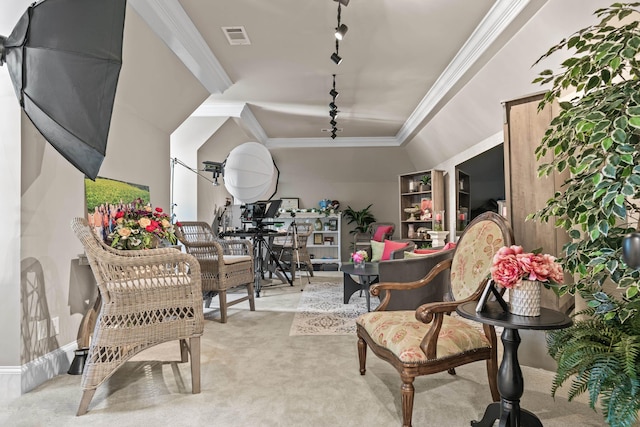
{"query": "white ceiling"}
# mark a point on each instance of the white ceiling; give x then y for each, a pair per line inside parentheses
(402, 58)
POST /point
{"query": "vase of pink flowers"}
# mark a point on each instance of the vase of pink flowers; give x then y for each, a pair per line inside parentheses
(523, 273)
(359, 258)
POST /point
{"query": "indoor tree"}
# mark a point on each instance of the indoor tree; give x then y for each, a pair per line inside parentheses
(363, 218)
(596, 135)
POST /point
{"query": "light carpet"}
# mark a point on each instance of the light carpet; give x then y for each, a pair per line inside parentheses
(254, 374)
(321, 310)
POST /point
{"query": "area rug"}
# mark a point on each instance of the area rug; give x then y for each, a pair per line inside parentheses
(321, 310)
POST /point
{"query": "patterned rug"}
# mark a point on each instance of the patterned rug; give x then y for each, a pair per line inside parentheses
(322, 312)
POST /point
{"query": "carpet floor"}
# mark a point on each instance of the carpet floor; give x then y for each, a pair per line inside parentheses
(254, 373)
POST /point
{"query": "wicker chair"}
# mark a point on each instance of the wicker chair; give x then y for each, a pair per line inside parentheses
(147, 298)
(286, 252)
(224, 264)
(429, 339)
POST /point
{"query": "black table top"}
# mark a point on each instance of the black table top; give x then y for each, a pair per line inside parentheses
(494, 315)
(370, 269)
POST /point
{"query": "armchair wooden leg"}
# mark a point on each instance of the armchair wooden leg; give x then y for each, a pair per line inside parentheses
(194, 347)
(407, 400)
(87, 395)
(492, 375)
(223, 305)
(362, 355)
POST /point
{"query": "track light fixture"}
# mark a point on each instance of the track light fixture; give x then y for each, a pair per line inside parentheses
(334, 93)
(335, 57)
(333, 123)
(341, 31)
(333, 106)
(333, 113)
(345, 3)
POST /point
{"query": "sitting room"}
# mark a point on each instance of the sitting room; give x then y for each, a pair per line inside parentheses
(252, 154)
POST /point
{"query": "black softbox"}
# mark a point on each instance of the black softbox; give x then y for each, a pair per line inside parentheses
(64, 58)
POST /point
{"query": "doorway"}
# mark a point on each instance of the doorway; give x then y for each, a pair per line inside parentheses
(486, 177)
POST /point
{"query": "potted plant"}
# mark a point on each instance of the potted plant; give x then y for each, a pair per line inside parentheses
(425, 183)
(596, 136)
(363, 218)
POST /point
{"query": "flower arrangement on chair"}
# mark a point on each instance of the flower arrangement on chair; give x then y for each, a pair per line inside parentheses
(359, 257)
(140, 226)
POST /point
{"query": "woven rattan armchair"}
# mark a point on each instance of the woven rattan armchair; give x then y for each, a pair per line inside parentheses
(224, 264)
(431, 339)
(287, 251)
(147, 298)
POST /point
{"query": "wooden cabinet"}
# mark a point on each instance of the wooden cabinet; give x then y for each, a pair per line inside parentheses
(428, 201)
(525, 191)
(463, 200)
(323, 244)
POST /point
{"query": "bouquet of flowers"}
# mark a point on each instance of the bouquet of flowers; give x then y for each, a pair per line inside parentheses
(511, 265)
(140, 226)
(359, 257)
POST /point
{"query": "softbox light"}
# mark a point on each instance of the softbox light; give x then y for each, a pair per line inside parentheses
(64, 59)
(250, 173)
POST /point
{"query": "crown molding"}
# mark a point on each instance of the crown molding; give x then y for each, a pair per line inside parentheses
(502, 13)
(357, 142)
(171, 23)
(236, 110)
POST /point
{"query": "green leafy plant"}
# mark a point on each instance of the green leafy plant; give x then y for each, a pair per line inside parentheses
(426, 180)
(596, 136)
(363, 218)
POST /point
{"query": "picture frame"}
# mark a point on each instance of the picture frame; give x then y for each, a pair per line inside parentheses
(489, 289)
(318, 239)
(289, 203)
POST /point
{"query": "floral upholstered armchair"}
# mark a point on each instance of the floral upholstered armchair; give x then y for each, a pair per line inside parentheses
(430, 339)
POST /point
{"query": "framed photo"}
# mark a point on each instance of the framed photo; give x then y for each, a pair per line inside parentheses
(318, 239)
(289, 203)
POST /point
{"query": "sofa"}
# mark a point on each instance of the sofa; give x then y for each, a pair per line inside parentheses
(412, 268)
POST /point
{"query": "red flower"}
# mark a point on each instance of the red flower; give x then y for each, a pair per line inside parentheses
(119, 214)
(159, 210)
(178, 223)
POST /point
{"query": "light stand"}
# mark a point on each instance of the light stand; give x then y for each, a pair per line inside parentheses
(292, 233)
(175, 161)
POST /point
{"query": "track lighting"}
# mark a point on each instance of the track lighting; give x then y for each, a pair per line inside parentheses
(341, 31)
(333, 123)
(336, 58)
(334, 93)
(333, 113)
(343, 2)
(333, 106)
(333, 135)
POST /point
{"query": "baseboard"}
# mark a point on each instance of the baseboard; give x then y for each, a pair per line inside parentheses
(17, 380)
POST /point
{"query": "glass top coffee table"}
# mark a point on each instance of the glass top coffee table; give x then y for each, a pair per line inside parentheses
(367, 275)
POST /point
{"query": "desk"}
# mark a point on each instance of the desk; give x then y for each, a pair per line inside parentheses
(262, 239)
(510, 381)
(367, 276)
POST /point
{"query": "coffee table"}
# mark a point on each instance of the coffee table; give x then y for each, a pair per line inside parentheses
(367, 276)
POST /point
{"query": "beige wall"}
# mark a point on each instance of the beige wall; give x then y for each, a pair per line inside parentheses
(155, 94)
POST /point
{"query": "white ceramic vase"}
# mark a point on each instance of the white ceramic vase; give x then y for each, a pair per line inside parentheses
(525, 299)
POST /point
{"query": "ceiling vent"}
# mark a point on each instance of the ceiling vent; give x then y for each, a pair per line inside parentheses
(236, 35)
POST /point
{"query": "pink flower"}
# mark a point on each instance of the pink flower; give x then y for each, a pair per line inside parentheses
(506, 270)
(511, 265)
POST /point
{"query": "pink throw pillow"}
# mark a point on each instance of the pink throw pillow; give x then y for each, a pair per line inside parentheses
(390, 246)
(381, 231)
(425, 251)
